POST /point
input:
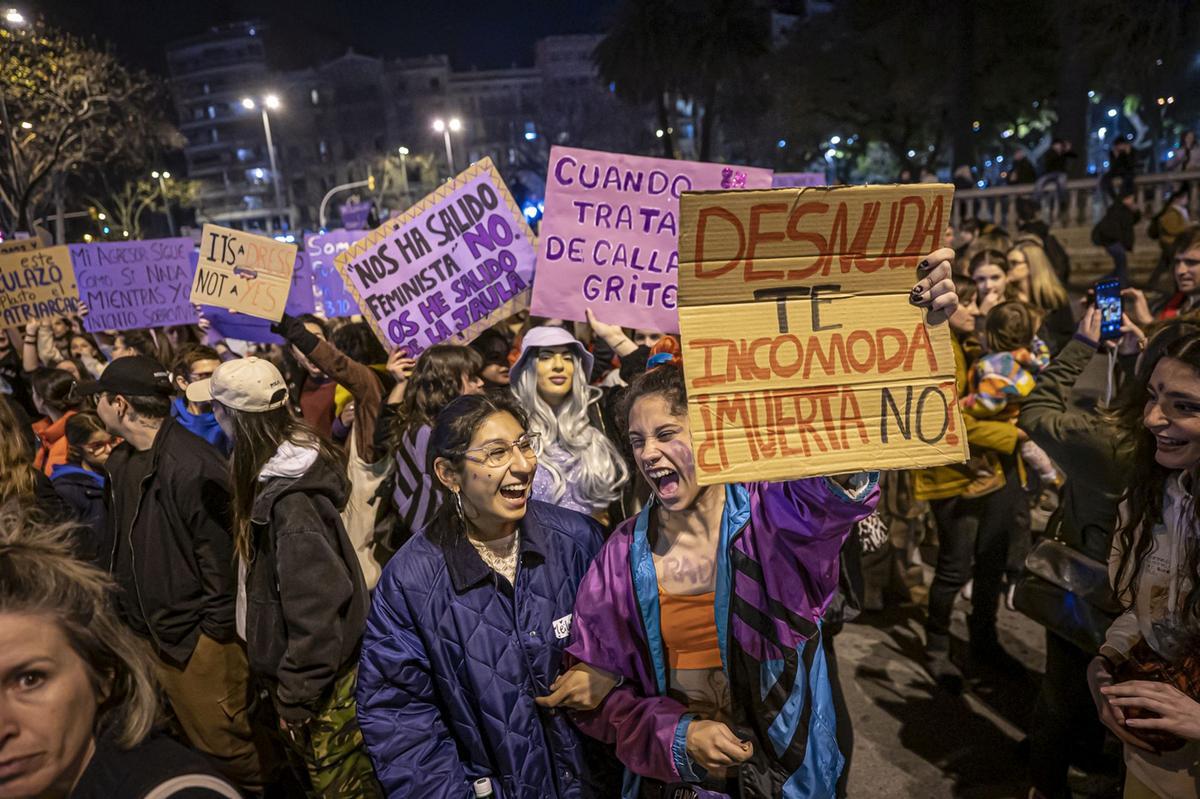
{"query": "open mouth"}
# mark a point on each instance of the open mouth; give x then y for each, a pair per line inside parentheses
(515, 492)
(1168, 444)
(558, 380)
(665, 481)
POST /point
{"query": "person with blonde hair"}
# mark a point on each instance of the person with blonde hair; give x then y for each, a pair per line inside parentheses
(82, 701)
(1037, 285)
(20, 480)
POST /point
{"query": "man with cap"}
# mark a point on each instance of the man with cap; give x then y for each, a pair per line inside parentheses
(172, 557)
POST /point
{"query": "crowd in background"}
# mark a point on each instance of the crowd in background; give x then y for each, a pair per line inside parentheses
(317, 567)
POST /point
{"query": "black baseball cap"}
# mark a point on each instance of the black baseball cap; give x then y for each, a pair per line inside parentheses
(133, 375)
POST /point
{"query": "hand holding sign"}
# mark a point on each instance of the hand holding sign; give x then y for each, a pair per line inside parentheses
(935, 291)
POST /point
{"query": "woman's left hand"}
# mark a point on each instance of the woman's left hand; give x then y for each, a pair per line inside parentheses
(935, 290)
(1177, 712)
(581, 687)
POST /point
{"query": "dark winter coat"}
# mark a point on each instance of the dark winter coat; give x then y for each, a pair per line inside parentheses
(1116, 227)
(454, 655)
(180, 541)
(306, 599)
(83, 491)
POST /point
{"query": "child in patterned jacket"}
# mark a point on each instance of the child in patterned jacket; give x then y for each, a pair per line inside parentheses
(1005, 376)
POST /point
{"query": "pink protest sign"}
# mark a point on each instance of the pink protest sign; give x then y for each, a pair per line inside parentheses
(446, 269)
(792, 180)
(608, 238)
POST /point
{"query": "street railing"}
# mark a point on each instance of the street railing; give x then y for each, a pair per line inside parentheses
(1085, 200)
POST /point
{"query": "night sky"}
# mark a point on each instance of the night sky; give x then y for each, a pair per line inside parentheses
(484, 34)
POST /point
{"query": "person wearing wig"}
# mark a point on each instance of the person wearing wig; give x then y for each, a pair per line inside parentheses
(703, 613)
(579, 467)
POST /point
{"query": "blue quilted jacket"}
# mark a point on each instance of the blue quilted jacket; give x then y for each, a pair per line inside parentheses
(453, 656)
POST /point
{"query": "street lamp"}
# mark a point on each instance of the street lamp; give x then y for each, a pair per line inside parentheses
(14, 17)
(162, 177)
(404, 173)
(445, 128)
(270, 101)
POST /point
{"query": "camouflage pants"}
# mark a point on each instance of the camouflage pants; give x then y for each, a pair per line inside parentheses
(332, 749)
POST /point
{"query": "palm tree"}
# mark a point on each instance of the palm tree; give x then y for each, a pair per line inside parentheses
(641, 58)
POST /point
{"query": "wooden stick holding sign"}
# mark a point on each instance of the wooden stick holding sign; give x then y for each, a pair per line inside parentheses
(243, 272)
(802, 353)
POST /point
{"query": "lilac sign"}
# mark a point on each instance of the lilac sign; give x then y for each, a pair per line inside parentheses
(354, 215)
(791, 180)
(332, 297)
(132, 284)
(448, 268)
(251, 328)
(608, 239)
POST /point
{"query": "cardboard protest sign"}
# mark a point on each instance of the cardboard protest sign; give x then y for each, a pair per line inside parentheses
(231, 324)
(608, 237)
(446, 269)
(330, 291)
(802, 353)
(132, 284)
(37, 284)
(20, 245)
(781, 180)
(243, 272)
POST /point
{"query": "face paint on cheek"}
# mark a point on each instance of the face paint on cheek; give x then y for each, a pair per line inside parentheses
(681, 454)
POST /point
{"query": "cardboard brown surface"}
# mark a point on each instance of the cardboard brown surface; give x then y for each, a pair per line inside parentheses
(866, 239)
(19, 245)
(243, 272)
(37, 284)
(802, 353)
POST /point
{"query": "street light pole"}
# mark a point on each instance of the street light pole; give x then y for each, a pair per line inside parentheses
(404, 175)
(270, 101)
(443, 127)
(162, 177)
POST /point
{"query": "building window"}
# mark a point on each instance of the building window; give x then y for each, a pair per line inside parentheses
(212, 112)
(244, 154)
(315, 96)
(435, 84)
(212, 135)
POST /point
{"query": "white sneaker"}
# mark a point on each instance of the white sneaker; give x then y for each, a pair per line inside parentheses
(1009, 595)
(965, 591)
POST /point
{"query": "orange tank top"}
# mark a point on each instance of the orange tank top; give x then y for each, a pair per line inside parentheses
(689, 630)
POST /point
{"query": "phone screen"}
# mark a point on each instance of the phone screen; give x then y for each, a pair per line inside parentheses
(1108, 300)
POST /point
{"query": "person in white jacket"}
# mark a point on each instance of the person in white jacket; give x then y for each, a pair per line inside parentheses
(1155, 570)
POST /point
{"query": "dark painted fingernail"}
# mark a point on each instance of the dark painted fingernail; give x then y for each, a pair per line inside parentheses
(924, 267)
(916, 296)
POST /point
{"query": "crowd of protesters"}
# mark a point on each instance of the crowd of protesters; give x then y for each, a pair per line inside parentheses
(317, 568)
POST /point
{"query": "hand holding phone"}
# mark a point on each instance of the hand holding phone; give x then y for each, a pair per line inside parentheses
(1108, 302)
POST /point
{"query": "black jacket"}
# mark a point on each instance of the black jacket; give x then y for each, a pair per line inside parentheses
(1116, 227)
(115, 773)
(180, 541)
(1053, 247)
(306, 599)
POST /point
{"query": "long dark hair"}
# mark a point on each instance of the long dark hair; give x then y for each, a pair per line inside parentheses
(55, 386)
(436, 379)
(1143, 496)
(453, 430)
(257, 437)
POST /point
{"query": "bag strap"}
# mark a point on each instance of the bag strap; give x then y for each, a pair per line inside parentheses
(183, 782)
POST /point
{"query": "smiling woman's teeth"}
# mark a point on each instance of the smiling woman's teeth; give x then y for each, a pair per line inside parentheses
(514, 490)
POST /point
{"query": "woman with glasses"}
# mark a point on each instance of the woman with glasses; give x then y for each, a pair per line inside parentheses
(469, 622)
(80, 482)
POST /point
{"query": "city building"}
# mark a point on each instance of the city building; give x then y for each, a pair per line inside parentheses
(336, 123)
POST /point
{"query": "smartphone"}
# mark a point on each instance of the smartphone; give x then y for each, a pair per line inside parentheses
(1108, 300)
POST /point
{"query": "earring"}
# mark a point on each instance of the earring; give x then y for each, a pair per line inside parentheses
(459, 507)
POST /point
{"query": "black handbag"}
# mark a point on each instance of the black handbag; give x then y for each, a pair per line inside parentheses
(1067, 592)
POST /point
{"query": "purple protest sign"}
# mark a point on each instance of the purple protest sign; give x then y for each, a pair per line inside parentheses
(792, 180)
(329, 289)
(354, 215)
(608, 238)
(448, 268)
(251, 328)
(133, 284)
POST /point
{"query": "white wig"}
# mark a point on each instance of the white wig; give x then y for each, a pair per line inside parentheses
(567, 430)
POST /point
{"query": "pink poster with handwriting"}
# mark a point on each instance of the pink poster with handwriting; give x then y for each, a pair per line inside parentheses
(610, 231)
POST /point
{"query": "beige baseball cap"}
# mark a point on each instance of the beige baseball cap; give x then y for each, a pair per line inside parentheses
(244, 384)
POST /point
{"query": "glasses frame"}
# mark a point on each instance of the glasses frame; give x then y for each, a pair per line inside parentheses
(531, 438)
